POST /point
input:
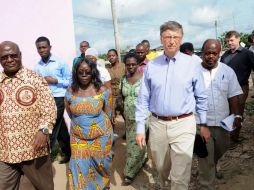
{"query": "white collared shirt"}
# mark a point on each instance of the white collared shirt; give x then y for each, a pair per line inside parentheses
(221, 84)
(251, 48)
(104, 74)
(197, 58)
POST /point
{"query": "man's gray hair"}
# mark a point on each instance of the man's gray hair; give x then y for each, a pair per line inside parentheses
(171, 25)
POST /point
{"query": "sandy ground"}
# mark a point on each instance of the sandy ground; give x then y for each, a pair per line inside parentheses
(237, 165)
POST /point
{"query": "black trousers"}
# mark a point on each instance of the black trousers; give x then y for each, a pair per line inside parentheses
(60, 130)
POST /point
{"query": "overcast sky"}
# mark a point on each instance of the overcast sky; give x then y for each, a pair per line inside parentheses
(141, 19)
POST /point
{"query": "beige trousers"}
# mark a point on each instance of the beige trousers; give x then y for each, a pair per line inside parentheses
(38, 171)
(216, 147)
(171, 145)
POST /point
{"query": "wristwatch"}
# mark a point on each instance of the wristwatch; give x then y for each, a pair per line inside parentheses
(239, 116)
(203, 125)
(45, 131)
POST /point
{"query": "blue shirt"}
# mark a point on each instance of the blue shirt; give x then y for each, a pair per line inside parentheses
(57, 69)
(171, 87)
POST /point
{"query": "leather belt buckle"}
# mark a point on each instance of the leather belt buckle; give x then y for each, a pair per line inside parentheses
(170, 118)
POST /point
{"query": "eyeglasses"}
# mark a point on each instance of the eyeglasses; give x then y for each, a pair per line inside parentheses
(6, 57)
(85, 73)
(167, 38)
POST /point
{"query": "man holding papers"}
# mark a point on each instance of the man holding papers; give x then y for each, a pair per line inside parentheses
(223, 90)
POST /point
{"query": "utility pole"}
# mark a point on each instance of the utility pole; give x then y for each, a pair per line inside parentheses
(216, 25)
(116, 34)
(233, 21)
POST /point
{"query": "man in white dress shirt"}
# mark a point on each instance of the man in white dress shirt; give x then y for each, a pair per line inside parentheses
(223, 90)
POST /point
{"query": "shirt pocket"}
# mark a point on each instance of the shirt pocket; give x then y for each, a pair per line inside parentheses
(224, 86)
(58, 72)
(223, 95)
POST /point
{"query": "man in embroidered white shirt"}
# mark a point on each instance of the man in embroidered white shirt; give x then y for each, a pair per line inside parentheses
(223, 90)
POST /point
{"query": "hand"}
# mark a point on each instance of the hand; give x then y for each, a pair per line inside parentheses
(141, 140)
(237, 123)
(40, 141)
(51, 80)
(205, 133)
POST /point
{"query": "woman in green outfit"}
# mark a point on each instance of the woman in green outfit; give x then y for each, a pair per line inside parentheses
(130, 85)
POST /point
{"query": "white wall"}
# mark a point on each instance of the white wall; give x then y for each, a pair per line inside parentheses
(23, 21)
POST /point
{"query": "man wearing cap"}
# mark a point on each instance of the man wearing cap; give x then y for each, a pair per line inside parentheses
(92, 54)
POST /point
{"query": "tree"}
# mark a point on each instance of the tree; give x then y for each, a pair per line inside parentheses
(103, 56)
(222, 40)
(244, 38)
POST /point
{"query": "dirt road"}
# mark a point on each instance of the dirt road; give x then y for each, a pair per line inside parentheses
(237, 165)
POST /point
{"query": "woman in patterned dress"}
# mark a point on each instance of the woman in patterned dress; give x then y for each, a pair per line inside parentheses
(89, 105)
(130, 85)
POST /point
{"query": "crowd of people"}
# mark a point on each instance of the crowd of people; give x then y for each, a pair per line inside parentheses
(167, 101)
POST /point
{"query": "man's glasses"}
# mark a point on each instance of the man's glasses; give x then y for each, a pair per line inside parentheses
(6, 57)
(171, 38)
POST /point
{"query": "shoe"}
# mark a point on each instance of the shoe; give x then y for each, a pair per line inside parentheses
(65, 160)
(124, 136)
(113, 154)
(52, 158)
(218, 175)
(145, 165)
(127, 181)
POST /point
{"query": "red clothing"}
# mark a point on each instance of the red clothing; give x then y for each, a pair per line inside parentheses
(142, 65)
